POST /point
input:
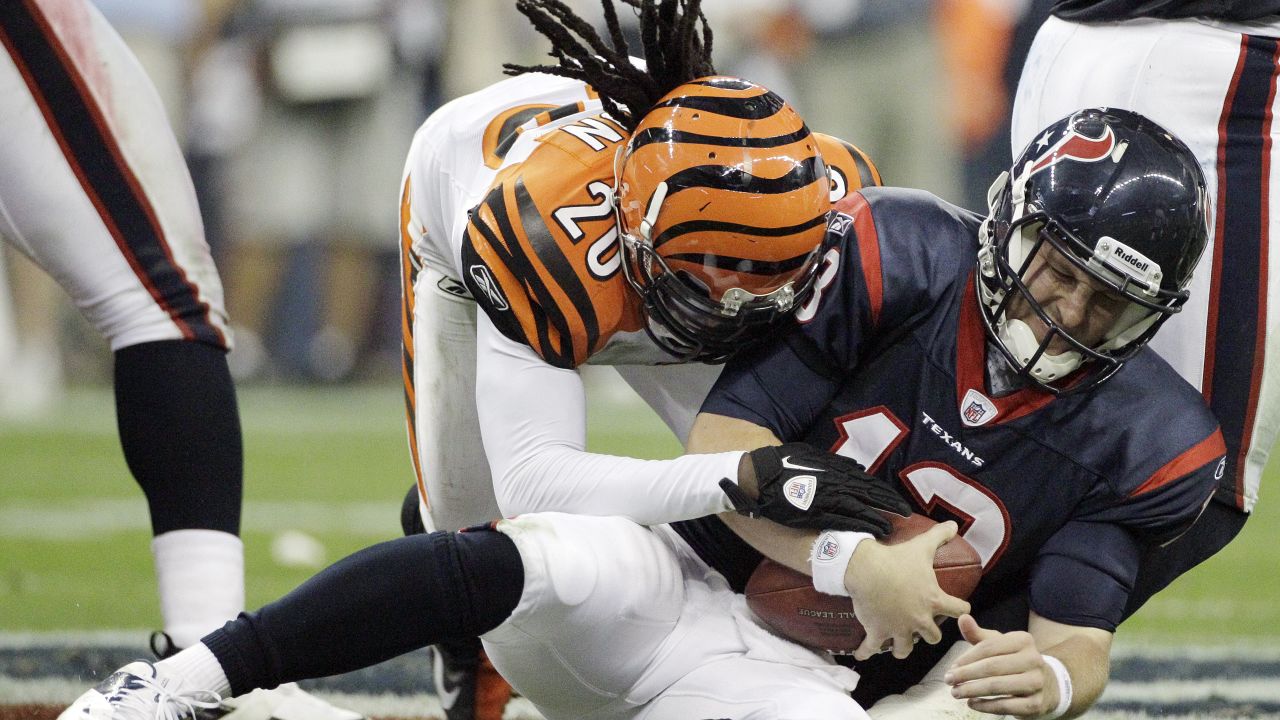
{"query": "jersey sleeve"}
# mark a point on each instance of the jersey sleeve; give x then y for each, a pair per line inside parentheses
(1083, 575)
(540, 252)
(1162, 505)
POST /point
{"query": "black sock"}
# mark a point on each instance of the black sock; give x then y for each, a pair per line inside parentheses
(180, 431)
(369, 607)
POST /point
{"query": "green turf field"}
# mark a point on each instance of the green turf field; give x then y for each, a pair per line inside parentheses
(331, 464)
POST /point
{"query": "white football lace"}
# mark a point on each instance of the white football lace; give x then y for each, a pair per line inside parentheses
(169, 705)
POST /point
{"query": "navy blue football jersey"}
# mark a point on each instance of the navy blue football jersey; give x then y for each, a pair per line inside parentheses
(1058, 494)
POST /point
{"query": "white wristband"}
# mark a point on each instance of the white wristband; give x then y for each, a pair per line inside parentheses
(1064, 686)
(830, 558)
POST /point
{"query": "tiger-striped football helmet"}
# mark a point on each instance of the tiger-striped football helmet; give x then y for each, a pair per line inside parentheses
(722, 200)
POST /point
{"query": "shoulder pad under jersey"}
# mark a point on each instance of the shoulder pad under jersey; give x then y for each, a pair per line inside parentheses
(541, 252)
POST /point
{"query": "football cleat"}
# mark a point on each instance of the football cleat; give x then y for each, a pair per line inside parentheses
(140, 691)
(466, 682)
(287, 702)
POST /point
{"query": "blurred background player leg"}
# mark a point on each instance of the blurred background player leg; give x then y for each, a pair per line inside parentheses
(1212, 85)
(94, 189)
(29, 322)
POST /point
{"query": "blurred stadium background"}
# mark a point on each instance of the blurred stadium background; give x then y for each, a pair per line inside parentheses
(317, 325)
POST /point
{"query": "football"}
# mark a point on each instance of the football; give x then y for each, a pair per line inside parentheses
(786, 601)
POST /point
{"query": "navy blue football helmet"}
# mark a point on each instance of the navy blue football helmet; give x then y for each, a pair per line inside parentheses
(1124, 201)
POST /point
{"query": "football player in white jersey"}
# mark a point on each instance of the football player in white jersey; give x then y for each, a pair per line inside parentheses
(513, 200)
(94, 189)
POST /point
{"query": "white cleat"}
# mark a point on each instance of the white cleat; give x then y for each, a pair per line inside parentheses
(287, 702)
(138, 691)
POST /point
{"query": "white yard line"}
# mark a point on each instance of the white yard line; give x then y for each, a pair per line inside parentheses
(92, 519)
(1248, 689)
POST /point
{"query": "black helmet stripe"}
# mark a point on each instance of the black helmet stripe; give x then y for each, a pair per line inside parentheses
(732, 179)
(757, 107)
(694, 226)
(742, 265)
(648, 136)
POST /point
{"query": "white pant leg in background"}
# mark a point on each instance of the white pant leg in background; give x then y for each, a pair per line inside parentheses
(1212, 86)
(93, 186)
(620, 621)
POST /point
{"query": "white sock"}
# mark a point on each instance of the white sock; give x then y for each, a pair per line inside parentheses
(199, 670)
(200, 574)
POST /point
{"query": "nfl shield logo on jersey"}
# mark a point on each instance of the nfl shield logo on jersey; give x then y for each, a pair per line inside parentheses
(799, 490)
(977, 409)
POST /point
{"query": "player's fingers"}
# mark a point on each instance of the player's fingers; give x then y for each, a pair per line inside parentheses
(871, 645)
(930, 632)
(903, 645)
(991, 647)
(951, 606)
(972, 631)
(1016, 706)
(996, 678)
(942, 532)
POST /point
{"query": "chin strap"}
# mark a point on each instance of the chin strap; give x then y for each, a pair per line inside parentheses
(1021, 341)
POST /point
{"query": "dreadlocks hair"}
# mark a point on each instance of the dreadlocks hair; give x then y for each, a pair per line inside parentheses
(677, 49)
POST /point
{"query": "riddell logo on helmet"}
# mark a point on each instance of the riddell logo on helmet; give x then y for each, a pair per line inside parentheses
(1136, 261)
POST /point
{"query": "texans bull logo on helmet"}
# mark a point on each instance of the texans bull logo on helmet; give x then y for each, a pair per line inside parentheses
(1074, 145)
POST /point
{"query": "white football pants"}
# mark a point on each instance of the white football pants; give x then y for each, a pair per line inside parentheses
(619, 621)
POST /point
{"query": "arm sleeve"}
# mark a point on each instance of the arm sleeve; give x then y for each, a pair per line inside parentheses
(533, 423)
(1084, 573)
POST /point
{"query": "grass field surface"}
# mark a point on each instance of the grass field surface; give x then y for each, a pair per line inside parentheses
(326, 469)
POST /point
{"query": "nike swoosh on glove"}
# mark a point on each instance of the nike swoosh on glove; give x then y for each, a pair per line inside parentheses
(804, 487)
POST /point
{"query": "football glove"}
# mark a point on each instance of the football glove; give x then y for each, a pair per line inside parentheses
(801, 486)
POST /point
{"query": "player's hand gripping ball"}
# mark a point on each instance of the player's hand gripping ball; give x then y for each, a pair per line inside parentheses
(786, 601)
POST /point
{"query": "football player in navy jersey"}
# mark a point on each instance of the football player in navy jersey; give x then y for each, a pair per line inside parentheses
(1015, 397)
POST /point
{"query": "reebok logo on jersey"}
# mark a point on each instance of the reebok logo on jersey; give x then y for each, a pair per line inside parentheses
(483, 279)
(950, 440)
(799, 490)
(452, 287)
(786, 463)
(838, 223)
